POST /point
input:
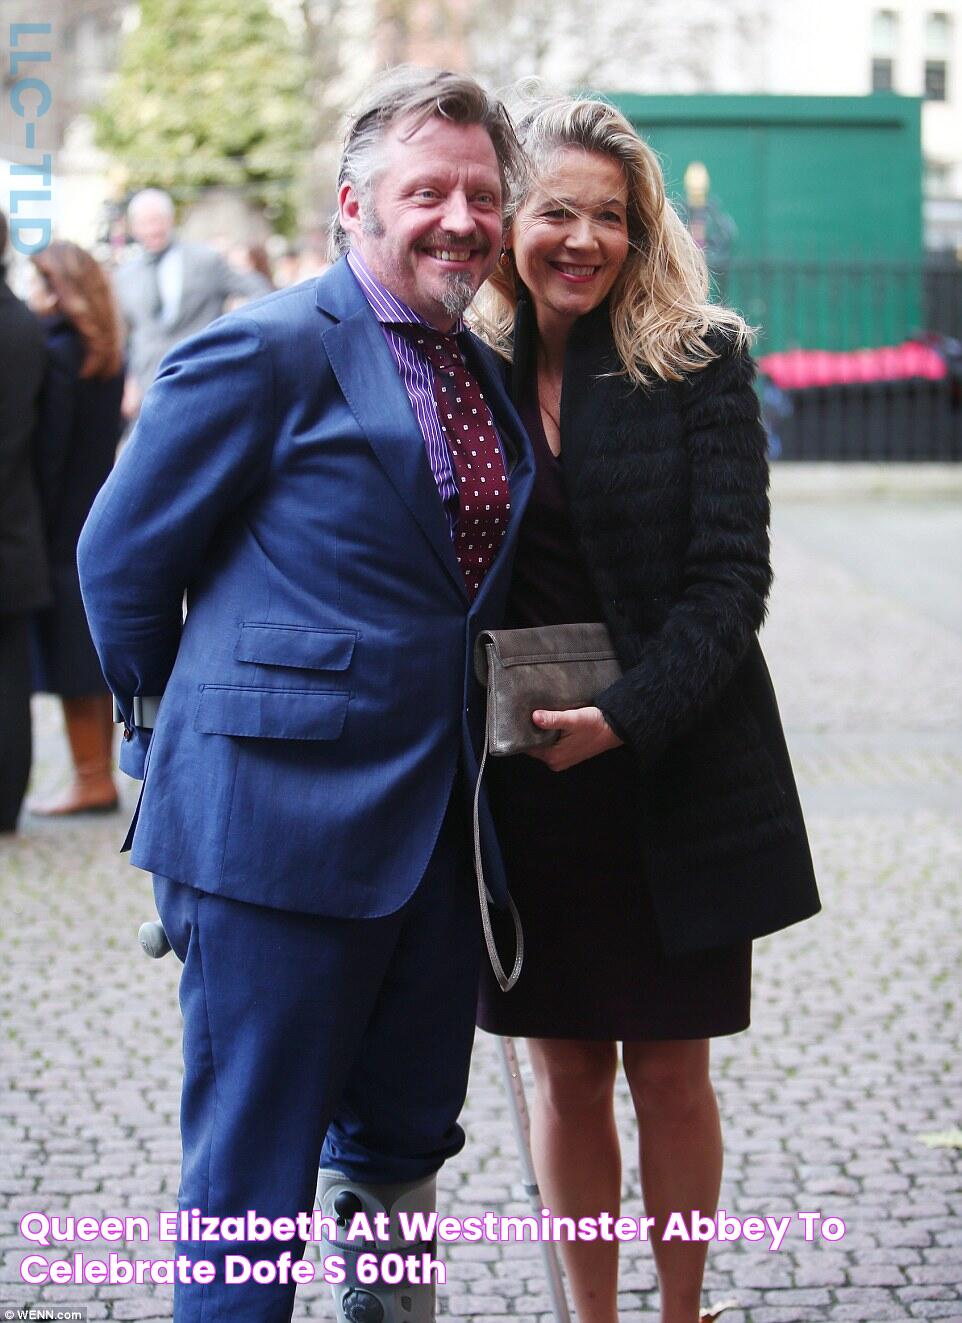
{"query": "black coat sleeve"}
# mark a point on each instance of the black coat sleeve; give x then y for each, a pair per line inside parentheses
(726, 574)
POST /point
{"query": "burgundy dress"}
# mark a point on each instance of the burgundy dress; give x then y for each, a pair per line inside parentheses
(593, 967)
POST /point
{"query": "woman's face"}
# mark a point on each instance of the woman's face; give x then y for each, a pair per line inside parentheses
(570, 238)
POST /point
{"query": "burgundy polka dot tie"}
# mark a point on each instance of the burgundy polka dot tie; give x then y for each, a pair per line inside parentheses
(483, 491)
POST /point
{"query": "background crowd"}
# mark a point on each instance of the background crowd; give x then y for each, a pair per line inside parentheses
(77, 357)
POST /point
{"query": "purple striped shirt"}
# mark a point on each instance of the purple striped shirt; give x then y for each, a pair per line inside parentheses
(417, 374)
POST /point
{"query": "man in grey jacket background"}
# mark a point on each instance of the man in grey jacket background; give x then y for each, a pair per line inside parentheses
(170, 291)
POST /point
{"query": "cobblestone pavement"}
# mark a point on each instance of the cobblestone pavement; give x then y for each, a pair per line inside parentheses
(852, 1056)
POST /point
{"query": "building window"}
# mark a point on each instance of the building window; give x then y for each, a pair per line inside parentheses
(935, 80)
(938, 35)
(885, 40)
(885, 32)
(938, 44)
(882, 76)
(938, 179)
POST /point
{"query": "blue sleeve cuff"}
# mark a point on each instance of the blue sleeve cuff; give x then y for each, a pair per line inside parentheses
(133, 753)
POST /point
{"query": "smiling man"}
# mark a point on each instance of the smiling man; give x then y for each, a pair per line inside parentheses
(334, 477)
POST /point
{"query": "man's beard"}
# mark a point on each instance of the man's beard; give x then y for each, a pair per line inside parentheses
(456, 294)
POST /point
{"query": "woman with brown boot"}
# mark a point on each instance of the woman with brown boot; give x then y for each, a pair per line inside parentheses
(77, 436)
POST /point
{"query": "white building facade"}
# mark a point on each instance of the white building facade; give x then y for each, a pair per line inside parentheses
(829, 48)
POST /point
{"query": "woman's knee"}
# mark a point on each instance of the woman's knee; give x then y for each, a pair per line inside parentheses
(668, 1077)
(572, 1075)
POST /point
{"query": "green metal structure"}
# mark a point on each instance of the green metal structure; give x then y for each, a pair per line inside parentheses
(825, 196)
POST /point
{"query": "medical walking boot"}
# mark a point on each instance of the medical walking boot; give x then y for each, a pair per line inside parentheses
(388, 1258)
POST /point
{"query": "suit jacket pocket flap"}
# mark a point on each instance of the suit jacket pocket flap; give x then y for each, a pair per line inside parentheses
(273, 714)
(296, 645)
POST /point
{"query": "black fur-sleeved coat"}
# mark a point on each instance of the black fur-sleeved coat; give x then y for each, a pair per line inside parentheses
(668, 491)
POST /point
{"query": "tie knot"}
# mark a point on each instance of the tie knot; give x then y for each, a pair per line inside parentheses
(441, 350)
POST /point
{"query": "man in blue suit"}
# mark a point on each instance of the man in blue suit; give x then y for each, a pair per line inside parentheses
(333, 476)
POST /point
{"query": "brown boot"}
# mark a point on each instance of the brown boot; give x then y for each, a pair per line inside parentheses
(90, 732)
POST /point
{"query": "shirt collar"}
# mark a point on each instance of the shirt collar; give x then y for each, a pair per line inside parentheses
(387, 307)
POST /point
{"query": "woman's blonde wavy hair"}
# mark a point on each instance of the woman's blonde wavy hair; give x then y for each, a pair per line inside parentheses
(660, 308)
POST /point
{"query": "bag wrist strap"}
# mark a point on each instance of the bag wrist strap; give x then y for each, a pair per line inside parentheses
(505, 981)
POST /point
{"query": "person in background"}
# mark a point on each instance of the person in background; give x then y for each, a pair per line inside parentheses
(287, 268)
(170, 291)
(662, 832)
(252, 258)
(77, 434)
(23, 571)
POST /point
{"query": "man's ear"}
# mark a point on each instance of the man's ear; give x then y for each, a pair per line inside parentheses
(349, 209)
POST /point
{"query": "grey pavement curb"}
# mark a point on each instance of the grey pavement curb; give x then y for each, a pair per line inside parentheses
(816, 481)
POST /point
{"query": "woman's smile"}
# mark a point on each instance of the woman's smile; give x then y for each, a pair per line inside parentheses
(570, 238)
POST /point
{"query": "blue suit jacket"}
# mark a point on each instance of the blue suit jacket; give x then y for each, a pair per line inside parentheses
(319, 693)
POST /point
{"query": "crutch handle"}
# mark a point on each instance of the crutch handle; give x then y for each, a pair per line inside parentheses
(153, 939)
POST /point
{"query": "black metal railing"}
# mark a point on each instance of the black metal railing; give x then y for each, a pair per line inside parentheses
(905, 421)
(846, 305)
(843, 304)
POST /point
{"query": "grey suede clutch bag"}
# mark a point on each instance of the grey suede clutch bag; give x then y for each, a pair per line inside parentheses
(555, 667)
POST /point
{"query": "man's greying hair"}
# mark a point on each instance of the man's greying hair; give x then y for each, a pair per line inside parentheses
(3, 238)
(415, 94)
(151, 197)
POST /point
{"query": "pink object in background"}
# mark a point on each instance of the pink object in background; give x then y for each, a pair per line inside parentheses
(796, 369)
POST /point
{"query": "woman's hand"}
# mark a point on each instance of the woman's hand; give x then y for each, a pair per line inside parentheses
(582, 733)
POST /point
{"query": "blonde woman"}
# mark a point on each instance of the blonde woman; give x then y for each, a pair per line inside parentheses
(662, 831)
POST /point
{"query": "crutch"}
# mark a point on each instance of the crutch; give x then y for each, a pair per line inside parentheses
(518, 1106)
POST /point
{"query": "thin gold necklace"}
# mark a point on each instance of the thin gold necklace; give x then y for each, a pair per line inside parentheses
(556, 419)
(555, 413)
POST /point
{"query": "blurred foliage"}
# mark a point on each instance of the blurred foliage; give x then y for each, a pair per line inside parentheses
(210, 95)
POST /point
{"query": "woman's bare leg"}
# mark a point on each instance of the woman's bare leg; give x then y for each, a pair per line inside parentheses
(680, 1156)
(577, 1159)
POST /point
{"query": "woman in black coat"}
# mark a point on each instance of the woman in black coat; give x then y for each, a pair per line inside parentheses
(662, 831)
(77, 435)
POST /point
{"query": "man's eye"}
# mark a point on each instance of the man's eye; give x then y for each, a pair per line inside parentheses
(485, 199)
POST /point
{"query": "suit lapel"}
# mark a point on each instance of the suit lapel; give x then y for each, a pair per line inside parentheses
(368, 377)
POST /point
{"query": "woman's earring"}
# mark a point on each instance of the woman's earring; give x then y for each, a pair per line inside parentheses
(505, 258)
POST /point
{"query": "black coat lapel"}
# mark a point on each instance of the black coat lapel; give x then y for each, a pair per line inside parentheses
(587, 392)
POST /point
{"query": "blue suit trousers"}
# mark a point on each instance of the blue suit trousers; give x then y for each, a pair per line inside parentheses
(307, 1039)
